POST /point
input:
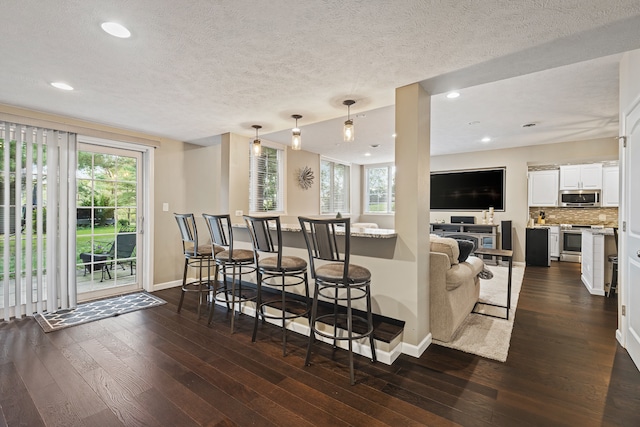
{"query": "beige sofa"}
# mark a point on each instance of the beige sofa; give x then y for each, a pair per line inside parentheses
(454, 287)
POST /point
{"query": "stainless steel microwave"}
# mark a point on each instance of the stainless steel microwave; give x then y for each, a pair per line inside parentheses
(580, 198)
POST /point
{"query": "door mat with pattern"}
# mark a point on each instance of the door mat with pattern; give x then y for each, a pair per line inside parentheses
(96, 310)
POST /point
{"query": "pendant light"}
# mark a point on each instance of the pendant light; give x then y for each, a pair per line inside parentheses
(257, 149)
(296, 139)
(348, 131)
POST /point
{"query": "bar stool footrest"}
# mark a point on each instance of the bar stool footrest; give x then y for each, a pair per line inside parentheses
(342, 324)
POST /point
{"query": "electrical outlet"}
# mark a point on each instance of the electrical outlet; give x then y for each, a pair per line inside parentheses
(165, 207)
(238, 213)
(602, 217)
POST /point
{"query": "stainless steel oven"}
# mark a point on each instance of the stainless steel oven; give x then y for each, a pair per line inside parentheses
(571, 242)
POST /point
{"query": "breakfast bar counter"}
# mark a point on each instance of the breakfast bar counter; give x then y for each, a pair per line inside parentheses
(361, 239)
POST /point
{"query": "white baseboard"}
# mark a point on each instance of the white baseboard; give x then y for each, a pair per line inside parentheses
(360, 347)
(166, 285)
(619, 337)
(417, 350)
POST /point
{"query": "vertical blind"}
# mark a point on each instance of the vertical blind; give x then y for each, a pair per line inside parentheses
(37, 220)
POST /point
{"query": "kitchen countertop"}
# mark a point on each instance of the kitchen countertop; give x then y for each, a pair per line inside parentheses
(599, 231)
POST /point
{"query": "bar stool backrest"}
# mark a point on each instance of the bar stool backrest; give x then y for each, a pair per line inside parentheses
(320, 235)
(220, 230)
(189, 233)
(262, 230)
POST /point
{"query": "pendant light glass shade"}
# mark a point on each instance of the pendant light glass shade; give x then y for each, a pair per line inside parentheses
(296, 138)
(257, 147)
(348, 132)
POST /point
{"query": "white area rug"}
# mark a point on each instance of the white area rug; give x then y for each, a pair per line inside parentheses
(489, 336)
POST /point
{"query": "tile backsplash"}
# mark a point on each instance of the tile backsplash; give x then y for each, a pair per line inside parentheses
(607, 217)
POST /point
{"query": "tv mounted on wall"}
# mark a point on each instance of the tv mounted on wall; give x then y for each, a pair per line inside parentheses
(468, 190)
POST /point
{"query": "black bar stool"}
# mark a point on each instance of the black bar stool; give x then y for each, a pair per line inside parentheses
(239, 260)
(337, 281)
(198, 256)
(277, 271)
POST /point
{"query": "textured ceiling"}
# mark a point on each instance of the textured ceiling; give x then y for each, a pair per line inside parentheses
(193, 70)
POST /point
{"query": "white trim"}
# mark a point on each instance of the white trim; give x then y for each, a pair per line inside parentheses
(282, 175)
(416, 351)
(148, 176)
(360, 347)
(165, 285)
(146, 220)
(389, 166)
(331, 159)
(113, 143)
(620, 337)
(349, 194)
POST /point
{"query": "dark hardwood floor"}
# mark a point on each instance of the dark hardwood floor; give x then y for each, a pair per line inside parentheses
(157, 367)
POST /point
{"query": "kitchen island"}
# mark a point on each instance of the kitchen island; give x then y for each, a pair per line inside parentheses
(597, 245)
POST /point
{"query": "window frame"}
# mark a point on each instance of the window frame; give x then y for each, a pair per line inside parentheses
(282, 182)
(390, 188)
(347, 197)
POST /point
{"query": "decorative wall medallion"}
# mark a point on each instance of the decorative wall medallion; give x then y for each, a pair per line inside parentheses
(305, 177)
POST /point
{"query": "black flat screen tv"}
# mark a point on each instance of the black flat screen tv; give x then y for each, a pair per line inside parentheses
(468, 190)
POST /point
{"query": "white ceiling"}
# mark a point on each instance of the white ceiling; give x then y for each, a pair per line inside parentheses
(194, 70)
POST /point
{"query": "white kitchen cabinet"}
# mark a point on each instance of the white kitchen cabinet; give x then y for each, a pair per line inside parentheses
(554, 241)
(610, 186)
(543, 188)
(581, 177)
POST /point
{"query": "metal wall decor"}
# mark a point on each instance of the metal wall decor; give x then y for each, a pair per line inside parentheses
(305, 177)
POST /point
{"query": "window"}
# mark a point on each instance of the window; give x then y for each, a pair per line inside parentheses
(380, 188)
(334, 187)
(266, 179)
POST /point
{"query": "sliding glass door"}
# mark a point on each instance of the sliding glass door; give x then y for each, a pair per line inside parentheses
(108, 203)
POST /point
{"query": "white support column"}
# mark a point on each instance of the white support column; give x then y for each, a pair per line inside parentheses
(412, 158)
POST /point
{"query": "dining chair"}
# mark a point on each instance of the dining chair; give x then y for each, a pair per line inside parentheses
(279, 271)
(338, 281)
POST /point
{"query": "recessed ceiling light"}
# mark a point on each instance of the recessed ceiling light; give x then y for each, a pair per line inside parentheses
(367, 154)
(475, 122)
(374, 145)
(61, 85)
(116, 30)
(452, 95)
(394, 135)
(485, 139)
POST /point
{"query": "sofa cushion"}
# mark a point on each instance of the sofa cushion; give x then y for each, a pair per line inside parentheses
(466, 247)
(446, 246)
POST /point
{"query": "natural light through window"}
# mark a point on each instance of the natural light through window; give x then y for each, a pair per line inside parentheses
(334, 187)
(380, 191)
(266, 177)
